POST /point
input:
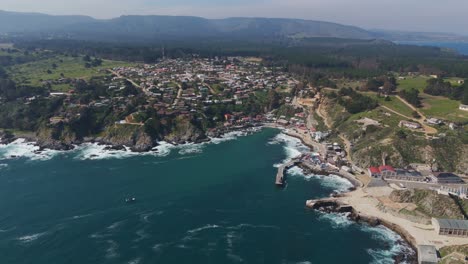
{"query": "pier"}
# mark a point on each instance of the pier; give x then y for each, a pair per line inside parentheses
(280, 177)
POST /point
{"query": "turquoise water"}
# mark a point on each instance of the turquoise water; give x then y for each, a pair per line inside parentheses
(214, 203)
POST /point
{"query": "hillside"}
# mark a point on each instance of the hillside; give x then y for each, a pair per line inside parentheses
(35, 22)
(174, 27)
(429, 203)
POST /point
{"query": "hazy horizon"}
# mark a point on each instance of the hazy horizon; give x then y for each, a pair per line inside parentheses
(400, 15)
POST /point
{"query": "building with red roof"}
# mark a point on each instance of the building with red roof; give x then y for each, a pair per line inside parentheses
(374, 172)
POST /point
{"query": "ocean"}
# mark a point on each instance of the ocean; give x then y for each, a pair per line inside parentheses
(209, 203)
(460, 47)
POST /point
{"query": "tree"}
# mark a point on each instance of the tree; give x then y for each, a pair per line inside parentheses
(412, 96)
(273, 100)
(465, 94)
(389, 87)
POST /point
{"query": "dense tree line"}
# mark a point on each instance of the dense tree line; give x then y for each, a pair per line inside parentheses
(411, 96)
(382, 84)
(354, 102)
(439, 87)
(334, 57)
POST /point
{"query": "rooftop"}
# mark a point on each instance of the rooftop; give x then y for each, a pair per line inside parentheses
(453, 224)
(427, 253)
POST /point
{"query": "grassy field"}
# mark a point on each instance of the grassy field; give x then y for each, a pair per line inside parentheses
(453, 80)
(434, 106)
(443, 108)
(349, 83)
(34, 73)
(394, 104)
(418, 83)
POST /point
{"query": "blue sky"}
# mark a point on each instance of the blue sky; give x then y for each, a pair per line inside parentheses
(410, 15)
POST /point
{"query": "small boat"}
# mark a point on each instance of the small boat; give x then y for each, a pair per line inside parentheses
(130, 200)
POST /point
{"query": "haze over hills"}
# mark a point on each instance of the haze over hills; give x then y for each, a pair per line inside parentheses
(183, 27)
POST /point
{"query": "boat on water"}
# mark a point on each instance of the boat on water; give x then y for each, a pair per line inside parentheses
(130, 200)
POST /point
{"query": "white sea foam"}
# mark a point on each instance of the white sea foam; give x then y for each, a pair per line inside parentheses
(135, 261)
(7, 230)
(146, 216)
(292, 146)
(337, 221)
(235, 258)
(158, 247)
(199, 229)
(228, 137)
(241, 226)
(190, 148)
(396, 243)
(115, 225)
(111, 251)
(32, 237)
(81, 216)
(94, 151)
(22, 149)
(141, 235)
(334, 182)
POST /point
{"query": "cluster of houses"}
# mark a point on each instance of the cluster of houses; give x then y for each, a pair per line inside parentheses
(414, 174)
(187, 85)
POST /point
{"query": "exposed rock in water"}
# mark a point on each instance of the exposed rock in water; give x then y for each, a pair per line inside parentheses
(6, 137)
(116, 147)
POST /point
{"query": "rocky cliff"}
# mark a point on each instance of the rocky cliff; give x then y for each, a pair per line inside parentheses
(184, 130)
(132, 136)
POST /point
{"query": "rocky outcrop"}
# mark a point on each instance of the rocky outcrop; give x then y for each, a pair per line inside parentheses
(6, 137)
(132, 136)
(185, 131)
(58, 137)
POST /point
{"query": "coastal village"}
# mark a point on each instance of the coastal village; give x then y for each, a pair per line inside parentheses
(369, 199)
(178, 86)
(188, 87)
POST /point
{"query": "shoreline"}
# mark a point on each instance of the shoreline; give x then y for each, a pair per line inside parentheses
(406, 236)
(31, 139)
(347, 197)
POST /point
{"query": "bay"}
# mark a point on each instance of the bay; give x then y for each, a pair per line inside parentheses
(210, 203)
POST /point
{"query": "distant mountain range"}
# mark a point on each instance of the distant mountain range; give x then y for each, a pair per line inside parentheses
(186, 27)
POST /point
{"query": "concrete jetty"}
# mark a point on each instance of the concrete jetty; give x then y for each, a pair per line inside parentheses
(280, 176)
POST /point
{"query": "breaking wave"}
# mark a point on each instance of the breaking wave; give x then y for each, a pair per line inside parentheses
(22, 149)
(196, 230)
(94, 151)
(396, 245)
(292, 146)
(31, 238)
(337, 221)
(334, 182)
